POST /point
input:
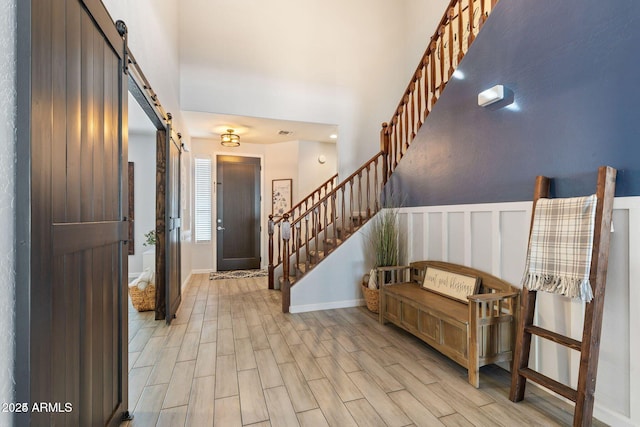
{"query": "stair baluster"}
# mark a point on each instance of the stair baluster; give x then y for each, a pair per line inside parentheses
(279, 243)
(270, 268)
(325, 203)
(471, 37)
(296, 230)
(306, 240)
(452, 13)
(286, 284)
(316, 234)
(460, 32)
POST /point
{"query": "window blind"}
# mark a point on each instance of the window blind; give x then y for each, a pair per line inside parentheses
(202, 199)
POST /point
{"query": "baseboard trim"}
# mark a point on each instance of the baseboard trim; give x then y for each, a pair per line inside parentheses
(326, 306)
(186, 282)
(201, 271)
(612, 418)
(600, 412)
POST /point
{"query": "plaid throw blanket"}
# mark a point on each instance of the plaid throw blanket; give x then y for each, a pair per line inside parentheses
(559, 257)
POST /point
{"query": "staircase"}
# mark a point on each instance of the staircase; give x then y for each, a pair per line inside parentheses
(317, 225)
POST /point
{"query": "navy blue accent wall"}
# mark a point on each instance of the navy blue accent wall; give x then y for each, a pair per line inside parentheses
(574, 69)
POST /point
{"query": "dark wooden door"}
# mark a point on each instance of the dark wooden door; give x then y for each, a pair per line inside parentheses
(168, 225)
(173, 285)
(238, 213)
(72, 301)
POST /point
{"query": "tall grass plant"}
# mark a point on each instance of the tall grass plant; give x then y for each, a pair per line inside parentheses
(385, 238)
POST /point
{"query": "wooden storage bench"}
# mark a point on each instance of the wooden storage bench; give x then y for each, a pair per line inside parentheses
(473, 333)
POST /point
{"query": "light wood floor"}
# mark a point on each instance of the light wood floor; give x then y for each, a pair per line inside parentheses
(231, 358)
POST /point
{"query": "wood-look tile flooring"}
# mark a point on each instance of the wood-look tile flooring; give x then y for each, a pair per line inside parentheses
(231, 358)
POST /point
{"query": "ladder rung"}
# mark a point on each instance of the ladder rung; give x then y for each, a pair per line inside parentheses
(553, 385)
(554, 336)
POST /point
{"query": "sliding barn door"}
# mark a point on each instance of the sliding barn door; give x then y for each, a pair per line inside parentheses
(173, 229)
(168, 225)
(72, 302)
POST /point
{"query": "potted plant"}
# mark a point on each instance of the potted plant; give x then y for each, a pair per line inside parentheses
(384, 244)
(150, 238)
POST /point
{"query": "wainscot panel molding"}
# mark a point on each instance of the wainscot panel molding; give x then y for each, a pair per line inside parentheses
(493, 237)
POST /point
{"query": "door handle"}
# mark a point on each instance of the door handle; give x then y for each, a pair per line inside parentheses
(219, 228)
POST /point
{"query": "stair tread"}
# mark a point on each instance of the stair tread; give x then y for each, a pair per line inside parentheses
(336, 241)
(316, 256)
(302, 267)
(292, 280)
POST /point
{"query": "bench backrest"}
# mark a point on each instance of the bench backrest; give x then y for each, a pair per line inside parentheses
(488, 282)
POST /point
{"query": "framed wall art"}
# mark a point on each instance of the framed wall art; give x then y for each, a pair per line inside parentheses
(281, 196)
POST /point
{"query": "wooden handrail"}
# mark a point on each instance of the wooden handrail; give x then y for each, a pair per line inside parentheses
(308, 225)
(428, 51)
(311, 195)
(342, 184)
(433, 72)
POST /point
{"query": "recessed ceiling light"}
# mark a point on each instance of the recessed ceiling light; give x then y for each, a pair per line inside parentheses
(333, 136)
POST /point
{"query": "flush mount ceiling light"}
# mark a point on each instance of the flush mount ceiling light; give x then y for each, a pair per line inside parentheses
(230, 139)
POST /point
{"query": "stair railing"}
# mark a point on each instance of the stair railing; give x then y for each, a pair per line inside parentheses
(311, 199)
(339, 212)
(275, 223)
(456, 31)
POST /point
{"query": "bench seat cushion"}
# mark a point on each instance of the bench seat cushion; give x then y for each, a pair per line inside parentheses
(412, 292)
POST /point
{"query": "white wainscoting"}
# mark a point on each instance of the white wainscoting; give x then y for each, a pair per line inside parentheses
(493, 238)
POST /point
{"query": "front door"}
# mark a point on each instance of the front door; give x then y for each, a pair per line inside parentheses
(71, 300)
(238, 213)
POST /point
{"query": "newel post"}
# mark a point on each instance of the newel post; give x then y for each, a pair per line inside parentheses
(384, 147)
(270, 228)
(286, 285)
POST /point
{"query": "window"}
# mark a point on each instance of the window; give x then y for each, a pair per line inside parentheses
(202, 199)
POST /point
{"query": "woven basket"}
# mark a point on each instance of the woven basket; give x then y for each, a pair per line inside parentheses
(143, 299)
(371, 298)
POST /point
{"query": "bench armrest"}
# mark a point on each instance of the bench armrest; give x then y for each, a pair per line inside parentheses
(501, 306)
(497, 296)
(389, 275)
(492, 320)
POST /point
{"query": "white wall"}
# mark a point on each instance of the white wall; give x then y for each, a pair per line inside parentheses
(312, 173)
(7, 201)
(153, 39)
(329, 61)
(142, 152)
(335, 283)
(421, 19)
(281, 162)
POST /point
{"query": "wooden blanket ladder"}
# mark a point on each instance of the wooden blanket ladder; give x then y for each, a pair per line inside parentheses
(589, 347)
